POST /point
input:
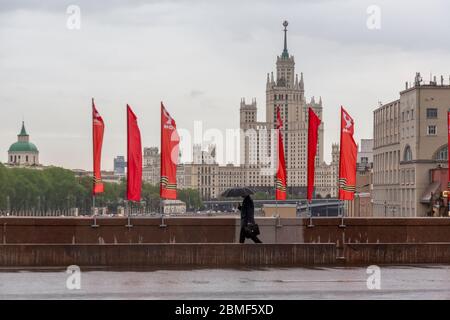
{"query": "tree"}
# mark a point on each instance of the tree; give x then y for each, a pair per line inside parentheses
(59, 189)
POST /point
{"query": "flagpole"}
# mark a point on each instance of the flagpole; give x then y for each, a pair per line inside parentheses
(95, 225)
(276, 199)
(129, 207)
(342, 225)
(161, 207)
(310, 214)
(93, 165)
(161, 210)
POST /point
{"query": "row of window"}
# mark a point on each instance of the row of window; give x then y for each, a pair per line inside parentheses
(15, 159)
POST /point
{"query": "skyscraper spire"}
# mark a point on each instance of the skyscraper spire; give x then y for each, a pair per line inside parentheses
(301, 81)
(285, 53)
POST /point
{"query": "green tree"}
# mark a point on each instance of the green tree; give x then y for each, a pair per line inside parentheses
(57, 189)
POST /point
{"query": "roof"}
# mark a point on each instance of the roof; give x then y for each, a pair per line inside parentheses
(23, 132)
(22, 146)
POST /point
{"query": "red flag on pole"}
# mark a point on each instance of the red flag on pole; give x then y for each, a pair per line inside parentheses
(280, 193)
(448, 151)
(347, 158)
(313, 127)
(134, 150)
(98, 128)
(169, 155)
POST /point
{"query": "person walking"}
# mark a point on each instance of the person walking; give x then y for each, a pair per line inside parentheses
(249, 229)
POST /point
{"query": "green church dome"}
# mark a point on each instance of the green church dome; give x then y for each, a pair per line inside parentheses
(22, 146)
(23, 143)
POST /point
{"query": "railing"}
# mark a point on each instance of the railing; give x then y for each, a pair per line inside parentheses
(73, 212)
(317, 207)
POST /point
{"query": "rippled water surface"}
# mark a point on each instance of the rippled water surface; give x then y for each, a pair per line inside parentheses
(405, 282)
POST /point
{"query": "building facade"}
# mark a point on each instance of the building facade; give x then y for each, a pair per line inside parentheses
(151, 166)
(365, 155)
(258, 140)
(23, 152)
(410, 139)
(258, 144)
(119, 166)
(326, 176)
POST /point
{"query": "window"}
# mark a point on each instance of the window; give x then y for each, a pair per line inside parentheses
(441, 154)
(432, 113)
(431, 130)
(407, 155)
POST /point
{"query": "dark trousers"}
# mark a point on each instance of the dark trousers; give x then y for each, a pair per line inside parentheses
(244, 235)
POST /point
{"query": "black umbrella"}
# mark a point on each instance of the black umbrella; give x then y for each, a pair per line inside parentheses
(237, 192)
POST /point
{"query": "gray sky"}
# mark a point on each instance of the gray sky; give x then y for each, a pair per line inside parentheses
(200, 58)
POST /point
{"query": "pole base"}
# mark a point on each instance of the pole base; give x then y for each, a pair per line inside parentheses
(310, 224)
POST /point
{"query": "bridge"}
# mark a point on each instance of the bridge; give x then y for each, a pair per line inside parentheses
(318, 207)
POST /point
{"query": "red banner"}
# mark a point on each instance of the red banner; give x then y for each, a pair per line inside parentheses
(448, 151)
(280, 193)
(313, 127)
(347, 158)
(134, 151)
(169, 155)
(98, 128)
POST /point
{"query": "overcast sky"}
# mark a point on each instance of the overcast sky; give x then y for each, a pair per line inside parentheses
(200, 58)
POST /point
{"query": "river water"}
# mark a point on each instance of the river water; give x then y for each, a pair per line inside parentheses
(396, 282)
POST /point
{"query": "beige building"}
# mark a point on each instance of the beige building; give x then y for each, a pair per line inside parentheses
(361, 206)
(258, 140)
(326, 176)
(258, 144)
(152, 168)
(410, 139)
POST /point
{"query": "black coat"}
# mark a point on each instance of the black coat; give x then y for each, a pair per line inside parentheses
(247, 211)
